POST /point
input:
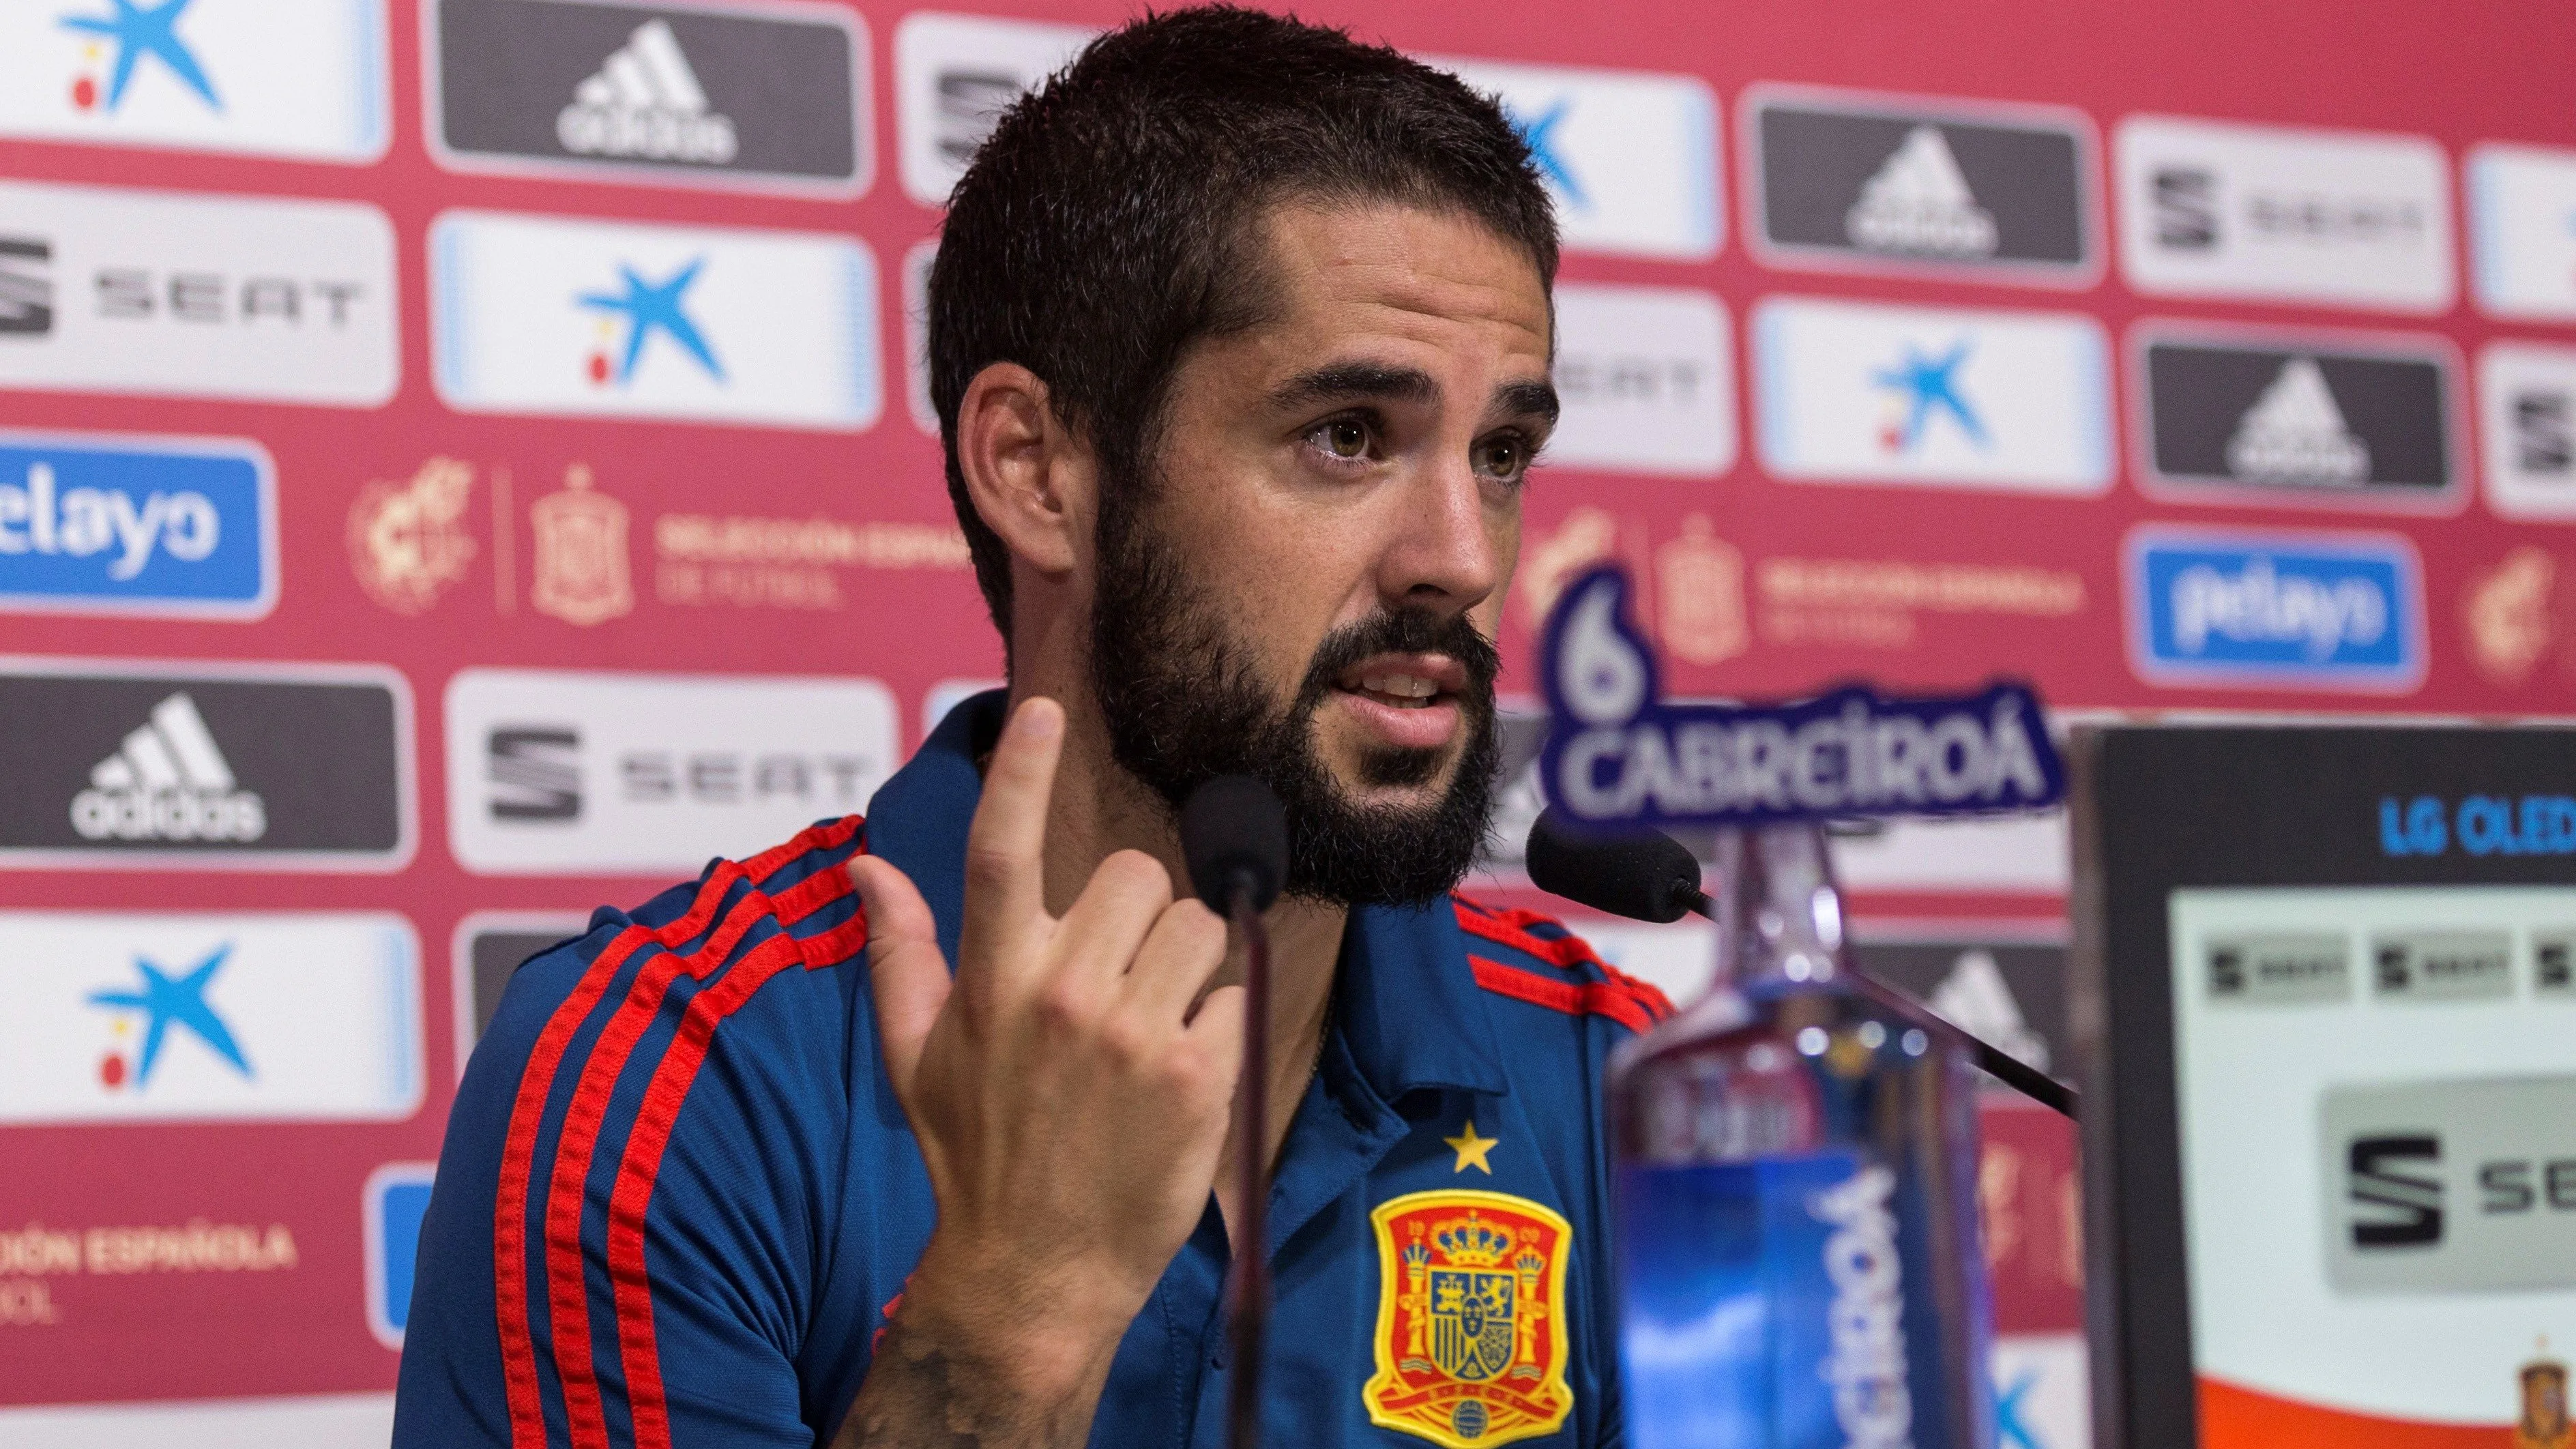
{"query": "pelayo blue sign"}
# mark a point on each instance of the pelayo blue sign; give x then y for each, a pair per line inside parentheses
(137, 525)
(2290, 611)
(1618, 754)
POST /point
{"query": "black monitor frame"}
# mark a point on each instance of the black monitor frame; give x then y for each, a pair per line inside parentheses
(2160, 809)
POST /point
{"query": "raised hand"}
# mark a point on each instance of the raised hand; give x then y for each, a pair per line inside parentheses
(1069, 1104)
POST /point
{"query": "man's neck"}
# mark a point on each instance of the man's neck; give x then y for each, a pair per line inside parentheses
(1100, 809)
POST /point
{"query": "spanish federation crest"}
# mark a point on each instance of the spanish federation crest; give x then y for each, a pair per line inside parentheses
(1471, 1333)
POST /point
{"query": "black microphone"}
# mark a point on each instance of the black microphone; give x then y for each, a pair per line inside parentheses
(1234, 836)
(1649, 876)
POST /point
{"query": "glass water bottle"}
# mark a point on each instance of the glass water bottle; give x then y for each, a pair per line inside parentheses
(1796, 1182)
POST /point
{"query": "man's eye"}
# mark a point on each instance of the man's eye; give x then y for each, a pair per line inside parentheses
(1504, 458)
(1344, 438)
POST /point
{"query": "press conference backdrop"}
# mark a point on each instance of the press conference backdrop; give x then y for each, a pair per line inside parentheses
(464, 461)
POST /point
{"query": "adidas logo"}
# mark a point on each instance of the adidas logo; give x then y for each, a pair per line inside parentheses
(2294, 433)
(1919, 202)
(645, 103)
(168, 781)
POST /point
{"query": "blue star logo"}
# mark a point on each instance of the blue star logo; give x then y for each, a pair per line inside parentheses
(1539, 134)
(651, 307)
(1928, 384)
(139, 32)
(2009, 1428)
(165, 1000)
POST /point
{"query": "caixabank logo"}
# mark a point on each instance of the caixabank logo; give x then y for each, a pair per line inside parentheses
(211, 1017)
(769, 96)
(1629, 157)
(1850, 181)
(597, 773)
(2329, 420)
(123, 765)
(2528, 396)
(100, 524)
(110, 290)
(2263, 213)
(1859, 392)
(304, 79)
(2288, 611)
(548, 315)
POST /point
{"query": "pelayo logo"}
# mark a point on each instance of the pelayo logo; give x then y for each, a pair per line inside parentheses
(1618, 754)
(137, 526)
(2275, 610)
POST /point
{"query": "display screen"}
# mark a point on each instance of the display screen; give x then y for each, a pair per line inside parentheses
(2376, 1106)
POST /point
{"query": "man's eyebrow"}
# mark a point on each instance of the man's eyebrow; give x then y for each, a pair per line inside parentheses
(1530, 399)
(1355, 381)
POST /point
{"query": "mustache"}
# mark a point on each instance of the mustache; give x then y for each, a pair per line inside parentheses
(1403, 631)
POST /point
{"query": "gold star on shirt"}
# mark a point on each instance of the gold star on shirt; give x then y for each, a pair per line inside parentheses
(1472, 1149)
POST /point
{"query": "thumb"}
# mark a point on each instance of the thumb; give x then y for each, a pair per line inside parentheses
(905, 970)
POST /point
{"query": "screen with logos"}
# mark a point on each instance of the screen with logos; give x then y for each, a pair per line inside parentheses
(2334, 1135)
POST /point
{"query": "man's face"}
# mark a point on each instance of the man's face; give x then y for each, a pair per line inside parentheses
(1306, 585)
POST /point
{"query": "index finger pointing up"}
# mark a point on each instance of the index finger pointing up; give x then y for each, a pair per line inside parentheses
(1006, 844)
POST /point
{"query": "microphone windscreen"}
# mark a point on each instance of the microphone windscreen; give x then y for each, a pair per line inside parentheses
(1645, 877)
(1234, 828)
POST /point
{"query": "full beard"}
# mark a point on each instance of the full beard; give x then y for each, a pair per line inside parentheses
(1184, 703)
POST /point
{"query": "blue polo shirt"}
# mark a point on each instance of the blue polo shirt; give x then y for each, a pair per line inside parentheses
(678, 1196)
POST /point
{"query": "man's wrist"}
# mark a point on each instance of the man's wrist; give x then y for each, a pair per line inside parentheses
(1043, 1335)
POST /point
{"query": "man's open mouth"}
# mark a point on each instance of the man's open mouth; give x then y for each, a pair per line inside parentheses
(1405, 681)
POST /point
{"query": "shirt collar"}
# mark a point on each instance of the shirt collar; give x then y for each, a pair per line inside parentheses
(1406, 1000)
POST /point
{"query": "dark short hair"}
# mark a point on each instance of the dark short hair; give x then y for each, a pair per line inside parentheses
(1110, 221)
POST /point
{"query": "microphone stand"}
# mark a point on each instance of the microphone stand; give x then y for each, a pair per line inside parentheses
(1250, 1321)
(2037, 1085)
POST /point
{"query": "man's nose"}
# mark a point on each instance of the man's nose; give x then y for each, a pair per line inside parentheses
(1444, 551)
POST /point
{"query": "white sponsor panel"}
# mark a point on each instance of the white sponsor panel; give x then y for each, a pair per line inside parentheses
(104, 289)
(576, 773)
(2043, 1391)
(2528, 396)
(2522, 222)
(298, 1421)
(2266, 213)
(946, 695)
(953, 77)
(1630, 157)
(1647, 379)
(216, 1016)
(2019, 853)
(1867, 393)
(549, 315)
(298, 78)
(916, 336)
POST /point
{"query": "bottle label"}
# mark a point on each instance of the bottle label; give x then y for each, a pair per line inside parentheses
(1765, 1303)
(1618, 754)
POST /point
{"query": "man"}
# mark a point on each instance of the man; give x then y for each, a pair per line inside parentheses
(1240, 342)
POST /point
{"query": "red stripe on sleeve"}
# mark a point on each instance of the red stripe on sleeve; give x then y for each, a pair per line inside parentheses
(1574, 998)
(567, 1290)
(627, 1272)
(519, 1150)
(1510, 927)
(831, 835)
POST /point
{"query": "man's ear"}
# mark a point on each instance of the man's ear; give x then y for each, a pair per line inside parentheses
(1030, 477)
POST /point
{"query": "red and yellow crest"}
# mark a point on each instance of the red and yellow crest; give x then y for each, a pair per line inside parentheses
(1471, 1333)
